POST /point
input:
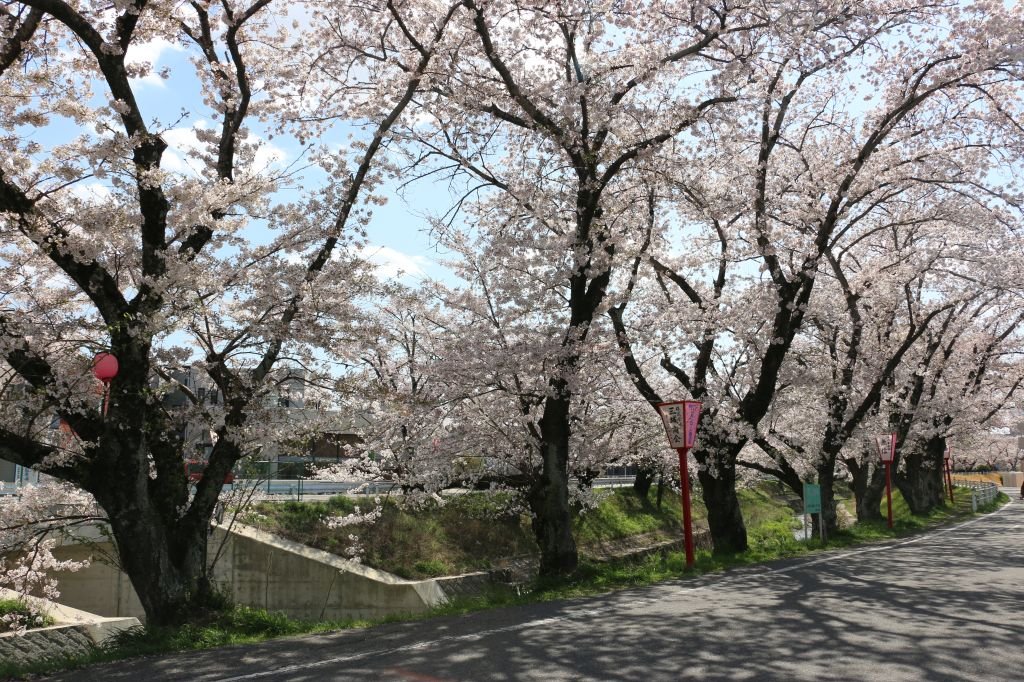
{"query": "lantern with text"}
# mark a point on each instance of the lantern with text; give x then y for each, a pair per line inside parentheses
(104, 368)
(681, 419)
(887, 452)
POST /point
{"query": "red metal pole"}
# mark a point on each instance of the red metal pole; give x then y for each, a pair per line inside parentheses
(106, 396)
(949, 480)
(888, 489)
(684, 483)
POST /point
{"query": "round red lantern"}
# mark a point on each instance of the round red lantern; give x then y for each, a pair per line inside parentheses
(104, 367)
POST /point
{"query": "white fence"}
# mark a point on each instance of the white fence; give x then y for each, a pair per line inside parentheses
(982, 493)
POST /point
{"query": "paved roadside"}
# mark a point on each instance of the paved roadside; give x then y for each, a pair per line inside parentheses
(948, 605)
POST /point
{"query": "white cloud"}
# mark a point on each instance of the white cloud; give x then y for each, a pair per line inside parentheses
(91, 192)
(267, 155)
(392, 264)
(388, 263)
(151, 53)
(181, 141)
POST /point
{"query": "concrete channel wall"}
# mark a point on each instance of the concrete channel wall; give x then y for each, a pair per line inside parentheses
(260, 569)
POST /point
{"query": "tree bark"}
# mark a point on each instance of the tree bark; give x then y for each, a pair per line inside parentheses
(166, 566)
(921, 480)
(549, 495)
(868, 488)
(643, 481)
(717, 476)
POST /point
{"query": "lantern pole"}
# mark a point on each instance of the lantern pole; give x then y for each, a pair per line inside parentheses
(888, 489)
(684, 483)
(949, 473)
(887, 455)
(681, 419)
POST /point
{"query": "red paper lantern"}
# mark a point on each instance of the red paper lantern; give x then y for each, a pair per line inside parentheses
(104, 367)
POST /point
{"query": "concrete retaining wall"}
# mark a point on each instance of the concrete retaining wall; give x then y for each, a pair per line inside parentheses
(74, 633)
(1012, 479)
(260, 569)
(101, 588)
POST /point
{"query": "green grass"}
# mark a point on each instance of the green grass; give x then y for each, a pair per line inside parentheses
(770, 534)
(236, 625)
(621, 513)
(22, 609)
(467, 533)
(905, 523)
(474, 531)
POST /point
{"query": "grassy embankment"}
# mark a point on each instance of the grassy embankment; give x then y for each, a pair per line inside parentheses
(472, 532)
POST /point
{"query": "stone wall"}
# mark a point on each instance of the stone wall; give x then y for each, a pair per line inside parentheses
(74, 633)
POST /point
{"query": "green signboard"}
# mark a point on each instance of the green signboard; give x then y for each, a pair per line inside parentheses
(812, 498)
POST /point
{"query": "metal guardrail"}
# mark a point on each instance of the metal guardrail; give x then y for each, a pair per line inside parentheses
(298, 488)
(982, 492)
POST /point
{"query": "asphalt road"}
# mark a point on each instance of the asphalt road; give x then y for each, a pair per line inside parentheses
(944, 606)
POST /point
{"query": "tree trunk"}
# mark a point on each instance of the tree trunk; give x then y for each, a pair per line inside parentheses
(921, 481)
(166, 565)
(725, 519)
(643, 481)
(549, 495)
(162, 550)
(868, 488)
(172, 588)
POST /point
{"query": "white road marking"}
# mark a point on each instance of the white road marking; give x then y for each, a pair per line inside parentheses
(867, 550)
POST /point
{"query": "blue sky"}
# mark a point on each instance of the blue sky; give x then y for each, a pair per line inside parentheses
(398, 234)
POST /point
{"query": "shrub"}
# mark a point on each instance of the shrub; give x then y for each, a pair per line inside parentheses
(18, 615)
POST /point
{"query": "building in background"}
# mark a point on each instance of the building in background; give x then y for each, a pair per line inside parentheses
(322, 436)
(332, 437)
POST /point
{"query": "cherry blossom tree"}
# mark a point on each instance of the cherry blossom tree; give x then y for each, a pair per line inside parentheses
(852, 108)
(908, 291)
(959, 387)
(109, 246)
(32, 522)
(451, 386)
(548, 109)
(405, 389)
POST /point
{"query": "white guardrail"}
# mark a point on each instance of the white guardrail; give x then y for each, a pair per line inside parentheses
(981, 492)
(297, 489)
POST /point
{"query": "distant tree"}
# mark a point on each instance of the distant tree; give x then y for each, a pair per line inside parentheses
(845, 114)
